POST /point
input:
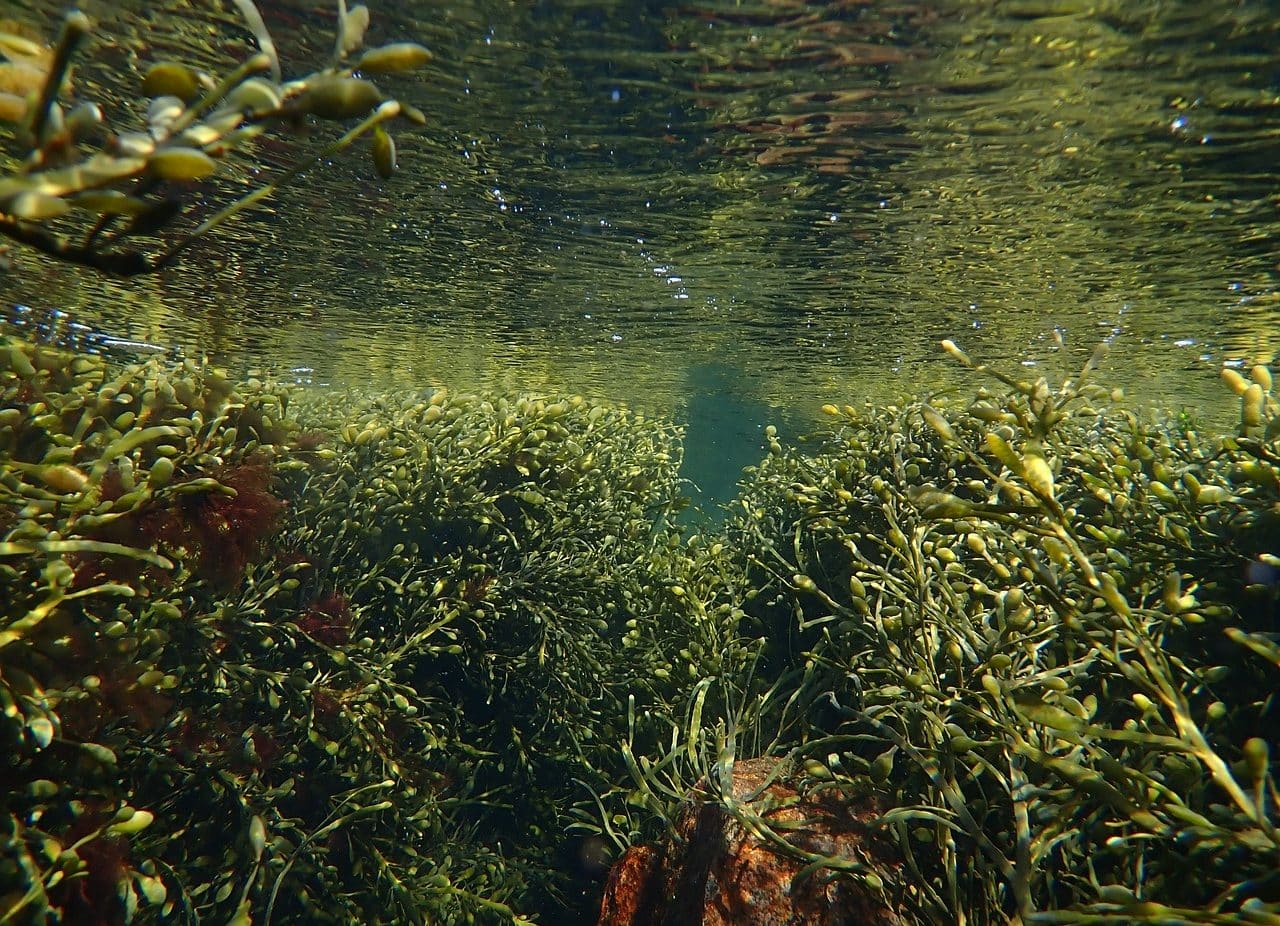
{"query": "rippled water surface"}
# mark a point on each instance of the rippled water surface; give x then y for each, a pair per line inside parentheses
(757, 206)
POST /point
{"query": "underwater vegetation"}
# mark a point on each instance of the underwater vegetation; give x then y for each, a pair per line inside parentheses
(275, 656)
(257, 672)
(128, 202)
(1040, 631)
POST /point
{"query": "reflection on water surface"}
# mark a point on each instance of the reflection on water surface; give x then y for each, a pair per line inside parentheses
(607, 198)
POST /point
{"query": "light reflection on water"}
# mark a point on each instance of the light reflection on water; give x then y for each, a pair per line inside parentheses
(611, 199)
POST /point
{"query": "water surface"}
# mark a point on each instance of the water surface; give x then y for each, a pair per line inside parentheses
(803, 197)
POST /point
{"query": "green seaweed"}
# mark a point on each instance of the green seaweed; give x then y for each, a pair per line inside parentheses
(1023, 625)
(272, 655)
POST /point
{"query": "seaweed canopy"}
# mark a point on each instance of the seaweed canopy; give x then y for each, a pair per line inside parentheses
(225, 527)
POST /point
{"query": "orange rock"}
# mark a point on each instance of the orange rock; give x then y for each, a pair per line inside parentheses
(713, 872)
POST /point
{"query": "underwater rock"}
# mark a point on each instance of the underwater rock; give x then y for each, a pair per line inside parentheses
(718, 867)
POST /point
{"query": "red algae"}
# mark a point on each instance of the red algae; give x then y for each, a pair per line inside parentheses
(223, 530)
(117, 697)
(328, 621)
(217, 743)
(94, 898)
(227, 531)
(309, 441)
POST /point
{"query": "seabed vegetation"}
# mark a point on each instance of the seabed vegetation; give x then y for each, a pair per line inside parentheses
(275, 655)
(271, 655)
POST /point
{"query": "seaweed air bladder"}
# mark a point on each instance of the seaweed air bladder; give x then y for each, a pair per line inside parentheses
(129, 201)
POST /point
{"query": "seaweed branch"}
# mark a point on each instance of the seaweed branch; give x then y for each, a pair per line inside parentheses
(86, 194)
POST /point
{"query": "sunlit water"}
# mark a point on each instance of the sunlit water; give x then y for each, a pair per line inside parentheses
(758, 207)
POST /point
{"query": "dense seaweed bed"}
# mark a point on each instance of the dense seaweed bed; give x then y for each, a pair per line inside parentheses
(269, 654)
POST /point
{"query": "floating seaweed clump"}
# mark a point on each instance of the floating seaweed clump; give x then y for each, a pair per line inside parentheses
(86, 194)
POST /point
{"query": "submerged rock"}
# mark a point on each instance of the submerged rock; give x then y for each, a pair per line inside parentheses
(720, 867)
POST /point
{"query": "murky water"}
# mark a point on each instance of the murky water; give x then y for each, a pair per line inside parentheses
(610, 199)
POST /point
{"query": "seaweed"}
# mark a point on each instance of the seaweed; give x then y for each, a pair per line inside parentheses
(410, 673)
(91, 195)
